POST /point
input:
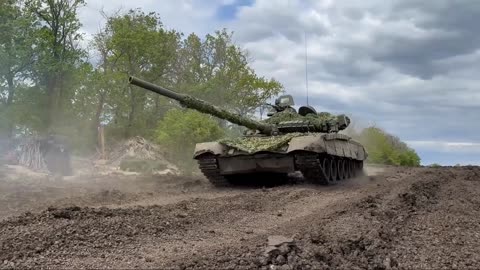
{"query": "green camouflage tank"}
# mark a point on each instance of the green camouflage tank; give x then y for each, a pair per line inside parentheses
(286, 142)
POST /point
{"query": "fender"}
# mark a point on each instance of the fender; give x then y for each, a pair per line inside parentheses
(209, 147)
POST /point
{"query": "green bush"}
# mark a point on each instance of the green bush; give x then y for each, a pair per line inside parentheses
(435, 165)
(384, 148)
(181, 129)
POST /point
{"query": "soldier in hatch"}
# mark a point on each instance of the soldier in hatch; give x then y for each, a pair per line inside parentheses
(283, 104)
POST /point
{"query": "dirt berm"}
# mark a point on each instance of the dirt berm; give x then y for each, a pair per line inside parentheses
(402, 218)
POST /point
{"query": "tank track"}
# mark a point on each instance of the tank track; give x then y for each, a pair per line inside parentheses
(209, 167)
(327, 170)
(309, 165)
(315, 168)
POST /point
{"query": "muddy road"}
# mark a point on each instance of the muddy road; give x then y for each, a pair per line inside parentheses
(395, 218)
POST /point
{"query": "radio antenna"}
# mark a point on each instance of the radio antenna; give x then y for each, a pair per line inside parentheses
(306, 65)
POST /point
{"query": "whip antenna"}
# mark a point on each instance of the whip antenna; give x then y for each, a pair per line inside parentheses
(306, 66)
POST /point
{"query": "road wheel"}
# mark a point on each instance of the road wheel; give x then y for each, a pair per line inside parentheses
(333, 165)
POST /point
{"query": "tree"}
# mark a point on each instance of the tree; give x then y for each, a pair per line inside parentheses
(384, 148)
(136, 44)
(218, 70)
(181, 129)
(58, 51)
(16, 53)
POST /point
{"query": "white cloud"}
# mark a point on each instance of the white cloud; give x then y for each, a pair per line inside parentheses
(446, 147)
(183, 15)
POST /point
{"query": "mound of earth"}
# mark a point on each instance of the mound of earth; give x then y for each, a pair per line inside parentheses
(139, 155)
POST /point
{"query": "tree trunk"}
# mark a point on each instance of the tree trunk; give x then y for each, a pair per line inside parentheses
(155, 116)
(98, 114)
(101, 141)
(60, 94)
(131, 114)
(51, 102)
(11, 92)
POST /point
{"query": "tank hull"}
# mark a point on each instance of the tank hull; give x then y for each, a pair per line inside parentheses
(322, 158)
(256, 163)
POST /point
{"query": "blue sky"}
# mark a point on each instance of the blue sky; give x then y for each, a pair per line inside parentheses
(228, 11)
(407, 66)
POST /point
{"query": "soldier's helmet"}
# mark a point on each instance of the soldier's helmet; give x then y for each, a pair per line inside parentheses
(284, 101)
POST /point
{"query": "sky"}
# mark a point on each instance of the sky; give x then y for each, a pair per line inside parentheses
(409, 67)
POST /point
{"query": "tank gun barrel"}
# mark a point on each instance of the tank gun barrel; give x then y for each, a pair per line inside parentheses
(155, 88)
(203, 106)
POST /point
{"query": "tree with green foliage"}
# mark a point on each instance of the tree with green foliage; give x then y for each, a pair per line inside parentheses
(58, 53)
(384, 148)
(218, 71)
(135, 44)
(16, 55)
(181, 129)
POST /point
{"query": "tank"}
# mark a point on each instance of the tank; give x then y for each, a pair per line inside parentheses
(288, 141)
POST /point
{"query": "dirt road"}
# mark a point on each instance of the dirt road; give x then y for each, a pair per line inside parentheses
(422, 218)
